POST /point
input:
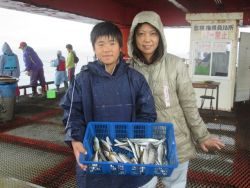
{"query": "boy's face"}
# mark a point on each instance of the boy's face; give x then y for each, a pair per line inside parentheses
(107, 50)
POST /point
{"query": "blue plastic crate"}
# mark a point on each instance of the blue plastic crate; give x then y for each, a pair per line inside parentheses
(120, 130)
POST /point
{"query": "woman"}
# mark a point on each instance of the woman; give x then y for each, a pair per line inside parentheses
(172, 89)
(106, 90)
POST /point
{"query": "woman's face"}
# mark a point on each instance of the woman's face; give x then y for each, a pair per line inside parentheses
(147, 40)
(107, 50)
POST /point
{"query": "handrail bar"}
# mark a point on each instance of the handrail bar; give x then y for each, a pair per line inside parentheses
(24, 87)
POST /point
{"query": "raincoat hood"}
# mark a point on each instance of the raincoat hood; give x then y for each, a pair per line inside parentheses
(98, 68)
(146, 17)
(6, 49)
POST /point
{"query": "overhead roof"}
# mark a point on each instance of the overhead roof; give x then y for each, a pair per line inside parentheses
(172, 12)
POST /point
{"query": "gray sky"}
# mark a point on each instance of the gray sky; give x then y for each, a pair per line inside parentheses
(48, 34)
(43, 33)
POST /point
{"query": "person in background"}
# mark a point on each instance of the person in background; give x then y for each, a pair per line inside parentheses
(33, 68)
(173, 93)
(60, 74)
(70, 63)
(9, 64)
(106, 90)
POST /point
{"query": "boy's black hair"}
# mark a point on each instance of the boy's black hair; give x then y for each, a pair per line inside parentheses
(159, 51)
(106, 29)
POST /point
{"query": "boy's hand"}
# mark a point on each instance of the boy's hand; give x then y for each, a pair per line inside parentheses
(78, 148)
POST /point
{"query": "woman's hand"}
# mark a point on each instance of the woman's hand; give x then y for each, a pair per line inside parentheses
(212, 144)
(78, 148)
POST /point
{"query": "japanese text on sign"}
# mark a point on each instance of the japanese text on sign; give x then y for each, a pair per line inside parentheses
(214, 31)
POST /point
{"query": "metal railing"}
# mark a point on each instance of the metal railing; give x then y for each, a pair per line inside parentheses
(25, 87)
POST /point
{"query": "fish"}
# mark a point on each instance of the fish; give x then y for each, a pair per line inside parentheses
(145, 150)
(133, 149)
(160, 153)
(159, 142)
(117, 157)
(151, 154)
(137, 150)
(106, 146)
(144, 158)
(96, 144)
(95, 158)
(143, 141)
(134, 160)
(108, 141)
(111, 156)
(102, 157)
(124, 158)
(126, 148)
(118, 143)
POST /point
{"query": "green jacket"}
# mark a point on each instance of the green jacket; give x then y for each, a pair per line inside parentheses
(173, 93)
(70, 60)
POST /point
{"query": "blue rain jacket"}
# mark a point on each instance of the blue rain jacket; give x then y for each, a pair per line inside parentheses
(9, 64)
(98, 96)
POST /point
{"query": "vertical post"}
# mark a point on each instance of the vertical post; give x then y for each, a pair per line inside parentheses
(125, 33)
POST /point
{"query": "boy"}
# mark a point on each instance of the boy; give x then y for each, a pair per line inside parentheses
(106, 90)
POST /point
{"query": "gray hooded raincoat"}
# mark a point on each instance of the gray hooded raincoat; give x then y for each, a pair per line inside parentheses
(173, 92)
(9, 64)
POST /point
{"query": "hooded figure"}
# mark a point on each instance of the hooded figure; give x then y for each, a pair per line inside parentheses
(9, 64)
(172, 89)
